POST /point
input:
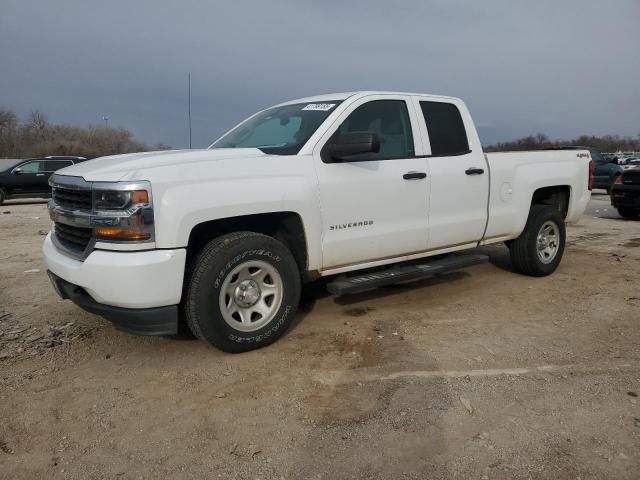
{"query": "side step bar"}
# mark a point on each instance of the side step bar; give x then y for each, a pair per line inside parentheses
(403, 273)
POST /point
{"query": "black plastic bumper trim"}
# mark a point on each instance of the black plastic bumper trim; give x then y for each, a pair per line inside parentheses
(137, 321)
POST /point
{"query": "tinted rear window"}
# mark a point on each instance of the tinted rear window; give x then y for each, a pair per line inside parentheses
(446, 129)
(53, 165)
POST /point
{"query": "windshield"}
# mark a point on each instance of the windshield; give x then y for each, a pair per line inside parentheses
(279, 130)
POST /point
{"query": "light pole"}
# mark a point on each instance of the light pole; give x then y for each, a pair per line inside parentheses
(189, 105)
(106, 122)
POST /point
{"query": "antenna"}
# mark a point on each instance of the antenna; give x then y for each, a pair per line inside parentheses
(189, 105)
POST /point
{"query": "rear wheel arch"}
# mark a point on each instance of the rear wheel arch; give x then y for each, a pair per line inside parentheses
(558, 196)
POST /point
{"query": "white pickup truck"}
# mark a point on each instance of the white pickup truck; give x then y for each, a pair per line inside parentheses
(358, 186)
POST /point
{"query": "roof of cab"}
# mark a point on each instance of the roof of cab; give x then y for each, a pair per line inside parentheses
(344, 95)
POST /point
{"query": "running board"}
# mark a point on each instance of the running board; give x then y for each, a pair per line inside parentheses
(403, 273)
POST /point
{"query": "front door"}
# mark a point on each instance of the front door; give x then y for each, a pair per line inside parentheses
(374, 205)
(28, 177)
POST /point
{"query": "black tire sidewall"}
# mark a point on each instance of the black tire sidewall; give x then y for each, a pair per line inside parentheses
(203, 295)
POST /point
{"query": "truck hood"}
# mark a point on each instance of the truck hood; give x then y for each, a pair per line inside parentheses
(141, 166)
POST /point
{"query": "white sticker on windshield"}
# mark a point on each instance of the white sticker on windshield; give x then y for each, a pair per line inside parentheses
(323, 107)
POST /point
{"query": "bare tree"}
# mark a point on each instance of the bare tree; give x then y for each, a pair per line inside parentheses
(37, 121)
(8, 132)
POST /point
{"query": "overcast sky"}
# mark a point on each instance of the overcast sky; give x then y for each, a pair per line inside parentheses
(562, 68)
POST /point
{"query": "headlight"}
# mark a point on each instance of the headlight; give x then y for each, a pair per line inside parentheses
(119, 200)
(123, 212)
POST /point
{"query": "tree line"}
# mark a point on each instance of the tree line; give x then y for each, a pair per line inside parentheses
(35, 137)
(606, 143)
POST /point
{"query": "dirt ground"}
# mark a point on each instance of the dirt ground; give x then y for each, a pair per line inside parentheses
(481, 374)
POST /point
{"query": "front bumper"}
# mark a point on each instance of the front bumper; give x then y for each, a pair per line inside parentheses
(141, 321)
(141, 279)
(137, 291)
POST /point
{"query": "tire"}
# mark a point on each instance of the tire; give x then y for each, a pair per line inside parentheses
(627, 212)
(241, 292)
(526, 257)
(3, 196)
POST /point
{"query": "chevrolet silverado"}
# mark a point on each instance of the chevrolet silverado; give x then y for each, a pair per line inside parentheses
(359, 187)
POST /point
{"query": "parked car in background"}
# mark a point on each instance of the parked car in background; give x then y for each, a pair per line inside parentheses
(606, 167)
(625, 194)
(30, 178)
(606, 170)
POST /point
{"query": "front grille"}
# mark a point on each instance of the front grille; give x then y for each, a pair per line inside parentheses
(631, 177)
(73, 199)
(75, 239)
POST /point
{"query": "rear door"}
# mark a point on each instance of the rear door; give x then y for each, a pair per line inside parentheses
(459, 191)
(375, 208)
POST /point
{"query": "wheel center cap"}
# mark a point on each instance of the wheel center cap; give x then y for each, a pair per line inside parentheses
(247, 293)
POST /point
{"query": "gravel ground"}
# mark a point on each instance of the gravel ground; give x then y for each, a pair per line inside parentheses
(478, 374)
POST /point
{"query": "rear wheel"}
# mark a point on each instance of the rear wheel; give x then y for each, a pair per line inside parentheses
(626, 212)
(538, 250)
(3, 196)
(242, 292)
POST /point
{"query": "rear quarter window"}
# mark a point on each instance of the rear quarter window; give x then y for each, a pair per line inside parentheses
(53, 165)
(447, 134)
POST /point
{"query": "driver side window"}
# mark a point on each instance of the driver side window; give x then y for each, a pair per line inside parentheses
(31, 167)
(389, 119)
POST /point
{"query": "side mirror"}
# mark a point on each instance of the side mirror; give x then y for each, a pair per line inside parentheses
(353, 143)
(17, 171)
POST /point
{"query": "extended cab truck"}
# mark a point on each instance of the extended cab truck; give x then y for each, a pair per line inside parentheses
(358, 186)
(606, 170)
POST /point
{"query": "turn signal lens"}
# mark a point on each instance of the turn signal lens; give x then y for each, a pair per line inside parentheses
(139, 197)
(112, 233)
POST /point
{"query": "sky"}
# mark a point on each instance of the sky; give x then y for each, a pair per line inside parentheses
(562, 68)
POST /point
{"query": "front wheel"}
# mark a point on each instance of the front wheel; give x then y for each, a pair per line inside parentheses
(538, 250)
(631, 213)
(242, 292)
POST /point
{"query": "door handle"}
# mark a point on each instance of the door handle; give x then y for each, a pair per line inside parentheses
(414, 175)
(474, 171)
(39, 174)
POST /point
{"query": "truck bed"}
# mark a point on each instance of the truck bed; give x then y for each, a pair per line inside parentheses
(511, 188)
